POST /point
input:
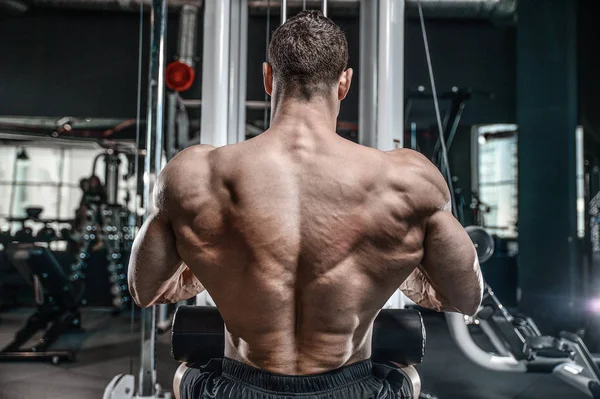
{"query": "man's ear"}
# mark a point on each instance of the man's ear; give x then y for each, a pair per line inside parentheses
(268, 77)
(344, 83)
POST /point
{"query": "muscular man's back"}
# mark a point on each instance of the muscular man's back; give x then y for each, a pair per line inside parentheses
(300, 238)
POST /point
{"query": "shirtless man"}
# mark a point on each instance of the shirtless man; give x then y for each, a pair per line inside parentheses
(300, 237)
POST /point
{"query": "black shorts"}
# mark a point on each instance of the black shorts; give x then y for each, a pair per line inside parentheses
(226, 378)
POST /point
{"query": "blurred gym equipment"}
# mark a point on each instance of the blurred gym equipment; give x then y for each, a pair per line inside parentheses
(57, 308)
(519, 346)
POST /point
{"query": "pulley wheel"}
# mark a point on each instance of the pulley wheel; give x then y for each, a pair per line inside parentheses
(483, 242)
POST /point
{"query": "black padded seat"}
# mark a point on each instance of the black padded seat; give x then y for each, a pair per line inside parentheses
(198, 335)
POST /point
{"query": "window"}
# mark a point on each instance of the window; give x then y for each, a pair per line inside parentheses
(46, 177)
(495, 178)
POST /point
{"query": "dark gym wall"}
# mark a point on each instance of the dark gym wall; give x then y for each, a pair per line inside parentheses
(475, 54)
(80, 63)
(76, 63)
(588, 36)
(547, 114)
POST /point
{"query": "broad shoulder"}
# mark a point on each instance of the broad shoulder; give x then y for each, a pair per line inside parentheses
(422, 176)
(184, 176)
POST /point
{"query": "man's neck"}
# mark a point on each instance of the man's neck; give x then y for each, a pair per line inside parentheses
(317, 115)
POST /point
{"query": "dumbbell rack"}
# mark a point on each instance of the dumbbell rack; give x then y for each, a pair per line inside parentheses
(88, 238)
(117, 240)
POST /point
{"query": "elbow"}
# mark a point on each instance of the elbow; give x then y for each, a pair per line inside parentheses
(472, 303)
(140, 296)
(142, 300)
(471, 308)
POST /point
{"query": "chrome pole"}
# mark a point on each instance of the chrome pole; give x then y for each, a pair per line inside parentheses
(390, 101)
(283, 11)
(367, 102)
(215, 72)
(152, 166)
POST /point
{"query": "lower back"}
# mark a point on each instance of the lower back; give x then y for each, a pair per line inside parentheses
(303, 328)
(300, 336)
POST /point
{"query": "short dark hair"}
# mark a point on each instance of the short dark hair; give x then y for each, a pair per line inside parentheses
(308, 54)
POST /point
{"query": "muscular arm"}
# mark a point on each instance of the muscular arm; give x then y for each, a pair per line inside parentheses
(448, 277)
(157, 274)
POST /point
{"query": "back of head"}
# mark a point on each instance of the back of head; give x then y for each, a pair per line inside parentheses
(308, 54)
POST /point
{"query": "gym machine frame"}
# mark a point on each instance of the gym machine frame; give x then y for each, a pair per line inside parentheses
(520, 346)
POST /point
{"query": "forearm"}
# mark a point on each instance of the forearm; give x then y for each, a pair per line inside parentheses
(154, 263)
(450, 265)
(421, 290)
(470, 283)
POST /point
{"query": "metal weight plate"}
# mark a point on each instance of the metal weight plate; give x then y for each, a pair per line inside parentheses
(483, 242)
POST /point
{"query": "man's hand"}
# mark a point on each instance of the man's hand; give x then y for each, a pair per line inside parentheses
(184, 285)
(419, 289)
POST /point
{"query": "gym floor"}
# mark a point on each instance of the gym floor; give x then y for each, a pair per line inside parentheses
(107, 347)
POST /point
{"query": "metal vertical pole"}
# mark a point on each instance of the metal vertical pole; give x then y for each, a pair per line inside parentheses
(171, 126)
(152, 165)
(215, 72)
(234, 72)
(580, 180)
(283, 11)
(367, 111)
(188, 28)
(390, 104)
(111, 176)
(243, 70)
(324, 7)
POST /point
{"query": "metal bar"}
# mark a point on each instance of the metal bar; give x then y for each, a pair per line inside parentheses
(163, 315)
(324, 7)
(188, 24)
(215, 72)
(182, 122)
(38, 184)
(13, 189)
(111, 177)
(462, 338)
(494, 338)
(61, 169)
(449, 114)
(367, 110)
(463, 9)
(171, 130)
(284, 10)
(455, 125)
(250, 104)
(234, 72)
(390, 108)
(243, 70)
(152, 165)
(580, 181)
(475, 161)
